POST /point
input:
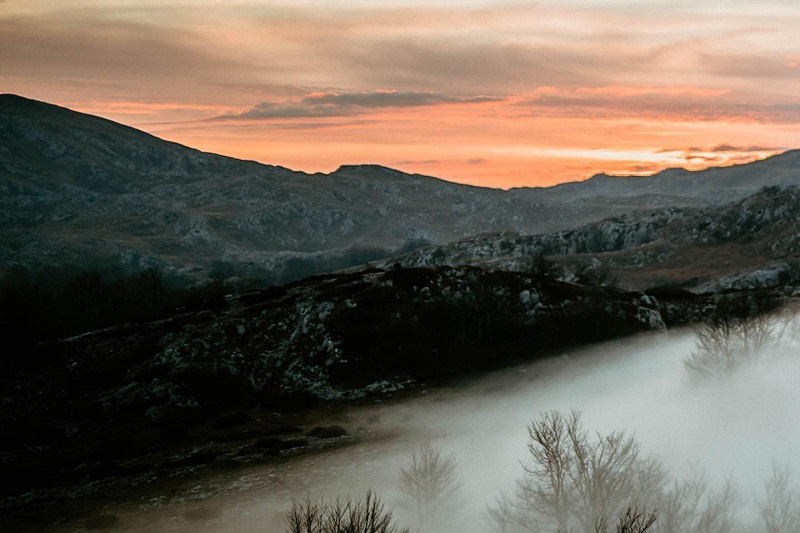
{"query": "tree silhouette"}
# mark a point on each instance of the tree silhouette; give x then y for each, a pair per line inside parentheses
(366, 515)
(428, 484)
(780, 509)
(575, 482)
(730, 340)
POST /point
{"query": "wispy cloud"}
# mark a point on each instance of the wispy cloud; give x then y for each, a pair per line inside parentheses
(748, 65)
(433, 162)
(732, 148)
(335, 104)
(117, 58)
(667, 103)
(725, 148)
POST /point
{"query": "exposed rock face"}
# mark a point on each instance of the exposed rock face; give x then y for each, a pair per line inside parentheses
(750, 243)
(75, 187)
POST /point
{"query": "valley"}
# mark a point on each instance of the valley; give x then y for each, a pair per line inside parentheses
(196, 341)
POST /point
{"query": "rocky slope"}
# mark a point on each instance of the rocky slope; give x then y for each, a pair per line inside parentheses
(750, 243)
(76, 188)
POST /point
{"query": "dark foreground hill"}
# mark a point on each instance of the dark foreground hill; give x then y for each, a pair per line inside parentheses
(126, 401)
(76, 189)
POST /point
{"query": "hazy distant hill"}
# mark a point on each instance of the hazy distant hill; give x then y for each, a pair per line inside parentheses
(712, 185)
(75, 188)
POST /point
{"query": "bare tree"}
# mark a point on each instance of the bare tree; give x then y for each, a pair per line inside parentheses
(726, 344)
(575, 481)
(691, 505)
(633, 521)
(681, 503)
(717, 513)
(742, 331)
(428, 484)
(780, 510)
(366, 515)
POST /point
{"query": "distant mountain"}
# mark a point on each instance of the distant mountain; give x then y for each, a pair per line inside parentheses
(749, 243)
(78, 189)
(712, 185)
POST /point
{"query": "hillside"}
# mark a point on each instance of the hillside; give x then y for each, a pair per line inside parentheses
(77, 189)
(93, 406)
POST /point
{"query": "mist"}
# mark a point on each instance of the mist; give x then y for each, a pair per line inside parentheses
(734, 426)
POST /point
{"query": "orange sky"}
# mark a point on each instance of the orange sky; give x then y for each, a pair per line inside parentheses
(497, 93)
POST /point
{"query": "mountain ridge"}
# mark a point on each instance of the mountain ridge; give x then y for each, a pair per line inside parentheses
(359, 167)
(76, 189)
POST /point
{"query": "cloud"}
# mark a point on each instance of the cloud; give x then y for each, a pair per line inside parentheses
(432, 162)
(494, 67)
(664, 105)
(640, 91)
(582, 103)
(334, 104)
(755, 66)
(732, 148)
(724, 148)
(623, 74)
(128, 55)
(697, 157)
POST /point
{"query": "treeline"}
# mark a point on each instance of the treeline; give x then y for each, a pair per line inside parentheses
(40, 305)
(54, 302)
(305, 265)
(300, 267)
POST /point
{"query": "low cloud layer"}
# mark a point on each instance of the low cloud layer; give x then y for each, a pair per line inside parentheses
(664, 104)
(333, 104)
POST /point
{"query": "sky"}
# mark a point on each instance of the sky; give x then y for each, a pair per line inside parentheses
(493, 93)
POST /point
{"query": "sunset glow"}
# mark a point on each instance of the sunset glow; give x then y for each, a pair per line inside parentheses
(494, 93)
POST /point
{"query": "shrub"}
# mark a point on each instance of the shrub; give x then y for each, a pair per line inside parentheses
(365, 515)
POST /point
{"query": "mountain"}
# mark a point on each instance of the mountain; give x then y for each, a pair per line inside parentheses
(76, 189)
(749, 243)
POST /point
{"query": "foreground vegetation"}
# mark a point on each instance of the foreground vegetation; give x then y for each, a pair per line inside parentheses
(575, 481)
(85, 408)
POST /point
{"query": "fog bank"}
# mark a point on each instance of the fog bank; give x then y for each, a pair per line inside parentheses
(734, 426)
